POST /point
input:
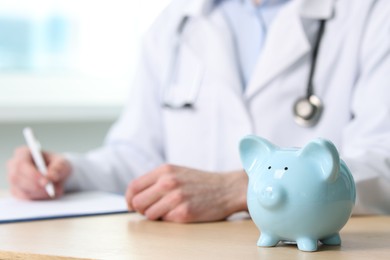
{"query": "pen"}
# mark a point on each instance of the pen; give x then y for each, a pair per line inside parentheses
(35, 149)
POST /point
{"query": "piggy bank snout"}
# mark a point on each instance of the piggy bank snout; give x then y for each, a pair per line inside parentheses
(271, 196)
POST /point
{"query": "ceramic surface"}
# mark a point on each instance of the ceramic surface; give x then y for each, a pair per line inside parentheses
(301, 195)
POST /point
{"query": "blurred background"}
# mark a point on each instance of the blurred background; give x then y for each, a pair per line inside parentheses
(65, 69)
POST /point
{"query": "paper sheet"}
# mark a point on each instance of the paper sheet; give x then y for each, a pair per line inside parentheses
(70, 205)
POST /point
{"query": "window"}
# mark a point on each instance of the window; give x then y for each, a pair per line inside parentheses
(68, 55)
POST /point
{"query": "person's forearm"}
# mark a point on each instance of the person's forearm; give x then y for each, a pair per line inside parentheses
(106, 169)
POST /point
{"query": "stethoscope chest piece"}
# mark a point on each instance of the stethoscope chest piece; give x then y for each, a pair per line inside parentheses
(307, 111)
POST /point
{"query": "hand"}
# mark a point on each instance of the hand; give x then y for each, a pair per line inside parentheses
(179, 194)
(28, 183)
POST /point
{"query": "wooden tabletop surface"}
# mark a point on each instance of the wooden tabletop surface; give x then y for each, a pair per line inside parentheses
(131, 236)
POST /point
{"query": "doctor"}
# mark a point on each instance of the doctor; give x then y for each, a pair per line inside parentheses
(212, 72)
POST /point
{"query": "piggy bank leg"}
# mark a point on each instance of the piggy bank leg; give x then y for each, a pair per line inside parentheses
(333, 240)
(307, 244)
(267, 240)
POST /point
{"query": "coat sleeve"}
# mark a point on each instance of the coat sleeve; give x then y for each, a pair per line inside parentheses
(134, 144)
(366, 141)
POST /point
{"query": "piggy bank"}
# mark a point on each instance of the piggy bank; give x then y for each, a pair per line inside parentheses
(297, 195)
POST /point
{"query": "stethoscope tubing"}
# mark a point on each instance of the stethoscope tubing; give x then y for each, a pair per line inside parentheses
(310, 87)
(308, 118)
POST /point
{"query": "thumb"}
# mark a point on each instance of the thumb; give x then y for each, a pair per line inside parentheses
(58, 168)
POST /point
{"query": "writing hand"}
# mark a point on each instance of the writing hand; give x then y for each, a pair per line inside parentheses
(26, 182)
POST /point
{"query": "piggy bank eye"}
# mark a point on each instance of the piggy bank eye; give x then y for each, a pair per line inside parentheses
(269, 167)
(285, 168)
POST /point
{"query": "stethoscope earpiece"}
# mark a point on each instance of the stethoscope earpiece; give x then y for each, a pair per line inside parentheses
(307, 111)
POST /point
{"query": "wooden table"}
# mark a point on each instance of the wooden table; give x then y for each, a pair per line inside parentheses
(130, 236)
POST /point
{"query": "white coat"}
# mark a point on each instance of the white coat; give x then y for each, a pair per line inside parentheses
(351, 78)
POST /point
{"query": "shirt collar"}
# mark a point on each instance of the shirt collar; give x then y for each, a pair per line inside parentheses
(309, 8)
(199, 7)
(265, 2)
(317, 9)
(251, 6)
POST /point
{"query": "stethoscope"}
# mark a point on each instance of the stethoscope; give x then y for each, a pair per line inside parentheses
(307, 110)
(172, 99)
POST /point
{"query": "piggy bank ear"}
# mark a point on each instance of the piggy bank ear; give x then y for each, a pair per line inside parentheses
(325, 154)
(254, 150)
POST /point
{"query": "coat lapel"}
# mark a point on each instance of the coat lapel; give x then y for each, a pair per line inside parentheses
(287, 42)
(211, 40)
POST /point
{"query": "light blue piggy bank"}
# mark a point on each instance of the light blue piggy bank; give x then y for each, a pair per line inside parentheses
(297, 195)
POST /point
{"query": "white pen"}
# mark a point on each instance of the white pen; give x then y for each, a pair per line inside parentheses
(35, 149)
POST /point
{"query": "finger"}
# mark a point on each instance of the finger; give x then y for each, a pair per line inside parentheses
(27, 178)
(59, 190)
(180, 214)
(40, 194)
(144, 182)
(19, 194)
(146, 198)
(129, 198)
(58, 169)
(166, 204)
(26, 195)
(22, 153)
(22, 165)
(148, 179)
(26, 181)
(34, 185)
(164, 185)
(140, 184)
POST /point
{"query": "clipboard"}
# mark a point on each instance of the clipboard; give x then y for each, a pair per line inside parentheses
(77, 204)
